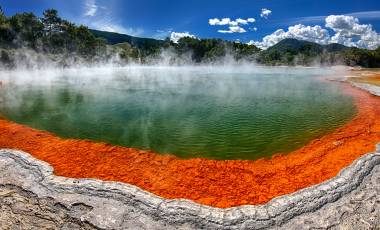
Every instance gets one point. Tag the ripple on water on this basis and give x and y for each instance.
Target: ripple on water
(186, 113)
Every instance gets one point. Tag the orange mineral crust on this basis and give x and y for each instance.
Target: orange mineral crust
(211, 182)
(373, 79)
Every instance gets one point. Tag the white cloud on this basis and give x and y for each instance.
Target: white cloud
(175, 36)
(347, 31)
(90, 8)
(341, 22)
(230, 22)
(233, 29)
(213, 21)
(301, 32)
(242, 21)
(225, 31)
(234, 26)
(265, 13)
(251, 42)
(237, 29)
(251, 20)
(219, 22)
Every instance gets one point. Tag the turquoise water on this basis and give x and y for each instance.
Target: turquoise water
(221, 113)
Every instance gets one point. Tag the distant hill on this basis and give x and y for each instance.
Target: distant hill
(292, 45)
(115, 38)
(286, 52)
(335, 47)
(297, 52)
(63, 42)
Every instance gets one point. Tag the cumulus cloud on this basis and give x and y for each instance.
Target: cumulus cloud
(347, 31)
(230, 22)
(341, 22)
(301, 32)
(234, 26)
(265, 13)
(90, 8)
(219, 22)
(175, 36)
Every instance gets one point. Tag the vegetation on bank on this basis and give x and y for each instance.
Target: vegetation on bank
(295, 52)
(58, 40)
(49, 36)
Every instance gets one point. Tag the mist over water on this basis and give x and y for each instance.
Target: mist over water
(236, 112)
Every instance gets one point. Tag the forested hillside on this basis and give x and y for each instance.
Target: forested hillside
(295, 52)
(60, 41)
(50, 35)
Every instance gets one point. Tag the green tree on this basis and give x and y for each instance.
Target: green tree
(51, 21)
(28, 28)
(3, 18)
(88, 45)
(6, 33)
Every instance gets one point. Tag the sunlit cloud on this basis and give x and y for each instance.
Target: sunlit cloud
(230, 22)
(233, 29)
(347, 31)
(175, 36)
(309, 33)
(234, 26)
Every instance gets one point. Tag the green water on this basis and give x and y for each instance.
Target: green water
(190, 112)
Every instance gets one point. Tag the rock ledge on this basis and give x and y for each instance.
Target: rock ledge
(372, 89)
(31, 196)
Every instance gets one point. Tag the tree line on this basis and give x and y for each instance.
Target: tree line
(50, 35)
(296, 52)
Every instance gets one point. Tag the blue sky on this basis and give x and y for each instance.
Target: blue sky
(159, 18)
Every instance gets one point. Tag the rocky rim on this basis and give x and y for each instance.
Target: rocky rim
(32, 196)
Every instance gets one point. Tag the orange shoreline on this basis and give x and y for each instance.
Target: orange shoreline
(219, 183)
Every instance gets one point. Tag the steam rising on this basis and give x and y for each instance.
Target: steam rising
(237, 111)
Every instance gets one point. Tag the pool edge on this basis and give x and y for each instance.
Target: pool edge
(22, 172)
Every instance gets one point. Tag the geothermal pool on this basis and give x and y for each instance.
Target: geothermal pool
(218, 113)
